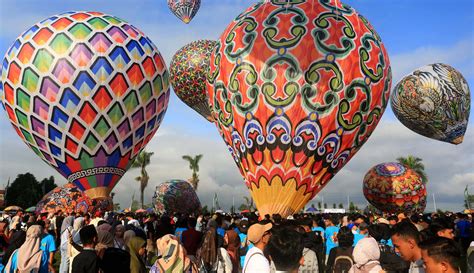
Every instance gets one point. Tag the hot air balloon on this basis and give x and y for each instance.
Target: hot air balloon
(185, 10)
(296, 88)
(68, 198)
(394, 188)
(433, 101)
(176, 196)
(188, 70)
(86, 92)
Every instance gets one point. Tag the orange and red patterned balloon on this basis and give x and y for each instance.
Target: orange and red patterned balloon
(394, 188)
(296, 88)
(68, 198)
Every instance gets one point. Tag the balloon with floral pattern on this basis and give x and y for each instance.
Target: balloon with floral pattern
(176, 196)
(394, 188)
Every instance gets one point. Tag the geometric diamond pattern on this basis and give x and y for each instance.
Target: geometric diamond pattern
(85, 90)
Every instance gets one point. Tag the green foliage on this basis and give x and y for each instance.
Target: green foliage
(142, 161)
(205, 210)
(319, 205)
(416, 164)
(325, 205)
(26, 191)
(352, 207)
(341, 206)
(194, 166)
(333, 205)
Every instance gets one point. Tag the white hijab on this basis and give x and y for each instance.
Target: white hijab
(366, 257)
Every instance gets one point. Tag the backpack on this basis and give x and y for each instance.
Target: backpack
(342, 264)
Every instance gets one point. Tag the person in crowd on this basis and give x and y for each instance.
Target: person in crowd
(463, 231)
(232, 245)
(164, 227)
(87, 260)
(405, 238)
(330, 233)
(29, 257)
(440, 254)
(15, 241)
(340, 257)
(48, 244)
(244, 243)
(361, 232)
(173, 256)
(366, 256)
(442, 227)
(181, 226)
(285, 249)
(119, 241)
(211, 256)
(255, 261)
(111, 259)
(127, 236)
(66, 229)
(191, 238)
(392, 220)
(136, 248)
(389, 260)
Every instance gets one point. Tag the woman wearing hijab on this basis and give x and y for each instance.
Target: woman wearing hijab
(129, 234)
(29, 257)
(66, 229)
(232, 243)
(112, 259)
(119, 241)
(173, 257)
(136, 246)
(75, 238)
(366, 257)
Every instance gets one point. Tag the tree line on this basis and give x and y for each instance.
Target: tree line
(26, 191)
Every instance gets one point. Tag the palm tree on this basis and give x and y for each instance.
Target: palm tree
(141, 161)
(194, 166)
(416, 164)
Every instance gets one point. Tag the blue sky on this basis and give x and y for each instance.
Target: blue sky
(415, 32)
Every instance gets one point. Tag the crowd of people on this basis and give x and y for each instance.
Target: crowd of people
(233, 243)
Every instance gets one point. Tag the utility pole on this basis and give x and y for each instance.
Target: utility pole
(434, 203)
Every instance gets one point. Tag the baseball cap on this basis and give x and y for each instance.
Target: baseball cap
(243, 226)
(256, 232)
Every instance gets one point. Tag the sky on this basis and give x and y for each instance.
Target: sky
(414, 32)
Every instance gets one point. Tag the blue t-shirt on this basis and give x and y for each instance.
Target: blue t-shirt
(48, 245)
(464, 228)
(318, 229)
(221, 231)
(43, 265)
(357, 238)
(179, 233)
(330, 233)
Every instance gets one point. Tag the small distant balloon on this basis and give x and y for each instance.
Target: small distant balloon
(176, 196)
(184, 9)
(188, 70)
(433, 101)
(393, 188)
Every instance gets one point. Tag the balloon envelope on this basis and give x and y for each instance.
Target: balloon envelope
(68, 198)
(185, 10)
(433, 101)
(188, 70)
(394, 188)
(296, 90)
(176, 196)
(86, 92)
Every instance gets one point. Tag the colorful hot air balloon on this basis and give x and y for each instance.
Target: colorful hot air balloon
(188, 70)
(394, 188)
(433, 101)
(296, 88)
(86, 92)
(185, 10)
(176, 196)
(68, 198)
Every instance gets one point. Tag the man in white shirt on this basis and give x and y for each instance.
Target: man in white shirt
(255, 261)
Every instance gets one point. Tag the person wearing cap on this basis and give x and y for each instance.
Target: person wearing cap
(255, 261)
(244, 243)
(361, 233)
